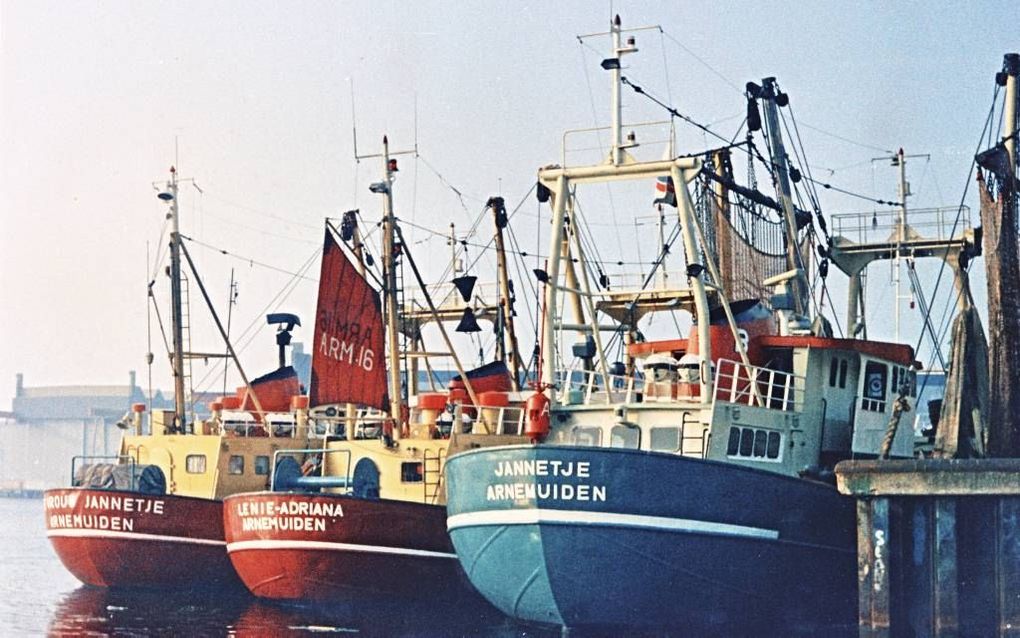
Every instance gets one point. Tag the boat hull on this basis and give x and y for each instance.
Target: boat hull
(332, 548)
(112, 538)
(621, 538)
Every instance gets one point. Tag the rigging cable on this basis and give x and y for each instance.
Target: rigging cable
(672, 111)
(250, 261)
(960, 207)
(598, 138)
(279, 298)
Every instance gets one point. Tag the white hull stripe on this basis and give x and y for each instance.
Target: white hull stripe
(130, 536)
(607, 519)
(239, 546)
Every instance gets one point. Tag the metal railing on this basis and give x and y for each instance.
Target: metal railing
(445, 294)
(879, 225)
(585, 387)
(310, 482)
(506, 420)
(758, 387)
(734, 383)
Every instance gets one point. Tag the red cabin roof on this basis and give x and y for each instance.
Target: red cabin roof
(895, 352)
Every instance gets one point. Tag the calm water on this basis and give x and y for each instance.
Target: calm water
(38, 597)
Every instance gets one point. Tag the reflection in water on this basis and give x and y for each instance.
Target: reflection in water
(90, 610)
(95, 611)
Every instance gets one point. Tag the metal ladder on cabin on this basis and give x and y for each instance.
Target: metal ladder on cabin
(432, 474)
(186, 344)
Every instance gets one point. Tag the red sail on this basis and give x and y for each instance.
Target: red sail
(349, 364)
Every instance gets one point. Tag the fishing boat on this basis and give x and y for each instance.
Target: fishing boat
(366, 515)
(690, 485)
(153, 515)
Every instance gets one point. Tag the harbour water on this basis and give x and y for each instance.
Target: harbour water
(38, 598)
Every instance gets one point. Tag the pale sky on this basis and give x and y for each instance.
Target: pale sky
(257, 98)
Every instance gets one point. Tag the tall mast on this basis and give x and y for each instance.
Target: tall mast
(1011, 67)
(617, 106)
(350, 409)
(901, 233)
(798, 284)
(506, 307)
(176, 305)
(389, 265)
(613, 65)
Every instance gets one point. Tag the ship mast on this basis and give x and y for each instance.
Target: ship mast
(613, 65)
(506, 298)
(798, 283)
(390, 271)
(350, 409)
(177, 317)
(559, 180)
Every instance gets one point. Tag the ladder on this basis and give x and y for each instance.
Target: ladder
(186, 344)
(432, 471)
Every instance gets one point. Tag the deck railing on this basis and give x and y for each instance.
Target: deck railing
(877, 226)
(734, 382)
(583, 386)
(500, 419)
(748, 385)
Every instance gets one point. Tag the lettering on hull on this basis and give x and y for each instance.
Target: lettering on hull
(287, 516)
(84, 510)
(553, 491)
(540, 489)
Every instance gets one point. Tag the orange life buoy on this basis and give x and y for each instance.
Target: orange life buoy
(536, 426)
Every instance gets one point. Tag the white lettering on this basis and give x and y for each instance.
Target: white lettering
(545, 491)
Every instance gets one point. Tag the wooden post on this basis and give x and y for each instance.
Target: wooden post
(1002, 263)
(945, 603)
(873, 567)
(1007, 565)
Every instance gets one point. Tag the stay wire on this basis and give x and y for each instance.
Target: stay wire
(249, 260)
(672, 111)
(598, 137)
(963, 199)
(281, 296)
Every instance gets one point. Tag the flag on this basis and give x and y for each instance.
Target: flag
(665, 193)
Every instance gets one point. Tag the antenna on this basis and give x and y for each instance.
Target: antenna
(354, 123)
(899, 160)
(617, 153)
(354, 131)
(231, 302)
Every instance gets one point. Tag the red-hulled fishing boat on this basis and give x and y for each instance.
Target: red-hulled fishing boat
(153, 515)
(366, 513)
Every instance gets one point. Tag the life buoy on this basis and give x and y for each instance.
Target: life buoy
(536, 425)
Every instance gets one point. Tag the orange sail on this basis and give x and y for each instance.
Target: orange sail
(348, 365)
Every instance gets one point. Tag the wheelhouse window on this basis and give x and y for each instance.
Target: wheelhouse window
(875, 386)
(411, 472)
(195, 464)
(664, 439)
(236, 464)
(754, 443)
(837, 372)
(625, 436)
(901, 377)
(262, 465)
(587, 436)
